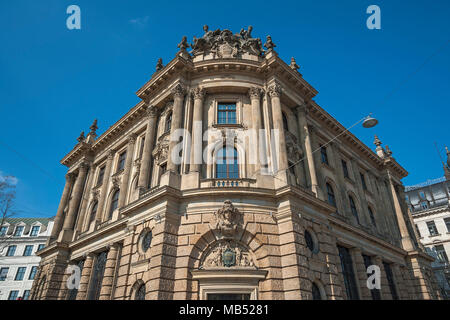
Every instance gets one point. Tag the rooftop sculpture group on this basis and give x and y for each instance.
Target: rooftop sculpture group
(242, 42)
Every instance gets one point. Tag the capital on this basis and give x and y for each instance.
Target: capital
(178, 91)
(132, 137)
(152, 111)
(111, 154)
(302, 109)
(275, 90)
(84, 165)
(198, 93)
(255, 93)
(69, 177)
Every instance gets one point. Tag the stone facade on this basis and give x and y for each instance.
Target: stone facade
(143, 225)
(429, 205)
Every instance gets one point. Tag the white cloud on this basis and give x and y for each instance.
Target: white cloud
(10, 179)
(140, 22)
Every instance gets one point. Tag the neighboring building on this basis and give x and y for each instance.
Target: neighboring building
(305, 225)
(20, 239)
(429, 204)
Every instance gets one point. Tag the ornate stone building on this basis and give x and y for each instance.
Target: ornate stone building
(146, 215)
(429, 204)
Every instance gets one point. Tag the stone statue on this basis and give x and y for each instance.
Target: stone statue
(269, 45)
(81, 138)
(223, 43)
(159, 64)
(183, 45)
(294, 65)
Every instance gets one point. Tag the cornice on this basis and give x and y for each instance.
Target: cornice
(337, 128)
(365, 235)
(137, 112)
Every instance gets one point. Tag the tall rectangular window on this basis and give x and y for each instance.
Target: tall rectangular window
(26, 295)
(34, 231)
(432, 228)
(4, 273)
(101, 175)
(226, 113)
(3, 231)
(11, 251)
(324, 155)
(441, 254)
(374, 292)
(348, 273)
(390, 279)
(28, 250)
(18, 231)
(345, 169)
(41, 246)
(363, 181)
(33, 272)
(20, 273)
(418, 231)
(142, 147)
(13, 295)
(122, 159)
(447, 223)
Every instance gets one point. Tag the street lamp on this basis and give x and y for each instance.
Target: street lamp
(370, 122)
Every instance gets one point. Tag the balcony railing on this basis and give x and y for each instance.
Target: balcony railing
(227, 183)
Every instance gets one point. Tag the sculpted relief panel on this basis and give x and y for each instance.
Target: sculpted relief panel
(227, 254)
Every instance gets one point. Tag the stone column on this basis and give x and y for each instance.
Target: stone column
(196, 155)
(85, 199)
(59, 219)
(104, 188)
(85, 277)
(255, 98)
(385, 292)
(306, 137)
(178, 97)
(275, 95)
(126, 172)
(150, 135)
(406, 240)
(361, 274)
(108, 276)
(69, 221)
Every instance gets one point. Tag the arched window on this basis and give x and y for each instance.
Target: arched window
(316, 292)
(331, 196)
(93, 212)
(114, 203)
(227, 164)
(168, 122)
(140, 293)
(372, 217)
(353, 208)
(285, 122)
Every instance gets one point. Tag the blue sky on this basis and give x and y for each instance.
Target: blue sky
(55, 81)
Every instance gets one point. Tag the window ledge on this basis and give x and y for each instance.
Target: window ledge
(228, 125)
(434, 235)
